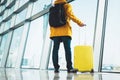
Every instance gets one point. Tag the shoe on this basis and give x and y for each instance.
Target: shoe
(72, 71)
(56, 71)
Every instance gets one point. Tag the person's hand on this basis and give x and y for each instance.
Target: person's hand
(82, 25)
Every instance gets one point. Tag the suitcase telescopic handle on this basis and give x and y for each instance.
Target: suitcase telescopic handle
(83, 30)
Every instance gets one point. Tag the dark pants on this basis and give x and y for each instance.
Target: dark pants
(67, 42)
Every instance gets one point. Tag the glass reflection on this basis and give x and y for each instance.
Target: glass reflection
(84, 77)
(27, 75)
(13, 74)
(31, 74)
(3, 74)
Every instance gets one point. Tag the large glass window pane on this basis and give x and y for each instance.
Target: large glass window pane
(7, 25)
(81, 35)
(8, 2)
(13, 20)
(2, 27)
(39, 5)
(10, 11)
(0, 40)
(2, 1)
(4, 48)
(111, 51)
(14, 48)
(22, 2)
(17, 3)
(29, 11)
(34, 45)
(87, 14)
(47, 44)
(1, 18)
(2, 7)
(21, 16)
(5, 14)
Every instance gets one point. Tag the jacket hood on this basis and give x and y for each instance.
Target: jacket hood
(60, 1)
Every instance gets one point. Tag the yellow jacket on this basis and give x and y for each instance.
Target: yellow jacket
(65, 30)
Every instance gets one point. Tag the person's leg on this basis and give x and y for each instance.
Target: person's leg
(67, 45)
(56, 44)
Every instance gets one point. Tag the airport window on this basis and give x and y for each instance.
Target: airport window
(3, 7)
(0, 9)
(14, 47)
(11, 10)
(111, 53)
(21, 16)
(2, 1)
(2, 27)
(4, 48)
(17, 2)
(22, 2)
(5, 14)
(0, 40)
(29, 11)
(40, 5)
(8, 2)
(13, 20)
(33, 50)
(1, 18)
(7, 25)
(32, 41)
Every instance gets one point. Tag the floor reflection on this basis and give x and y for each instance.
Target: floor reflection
(30, 74)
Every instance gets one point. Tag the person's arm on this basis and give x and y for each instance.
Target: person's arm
(71, 15)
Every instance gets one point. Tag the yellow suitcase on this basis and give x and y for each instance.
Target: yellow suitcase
(83, 58)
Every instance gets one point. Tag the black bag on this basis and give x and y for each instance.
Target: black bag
(57, 15)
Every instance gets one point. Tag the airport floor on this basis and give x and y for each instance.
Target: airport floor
(32, 74)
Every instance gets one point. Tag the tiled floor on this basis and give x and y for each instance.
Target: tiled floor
(30, 74)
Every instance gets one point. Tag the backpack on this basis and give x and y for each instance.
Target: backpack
(57, 15)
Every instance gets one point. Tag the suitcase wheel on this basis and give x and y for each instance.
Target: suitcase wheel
(92, 71)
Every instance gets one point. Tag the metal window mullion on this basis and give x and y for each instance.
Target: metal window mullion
(98, 34)
(103, 36)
